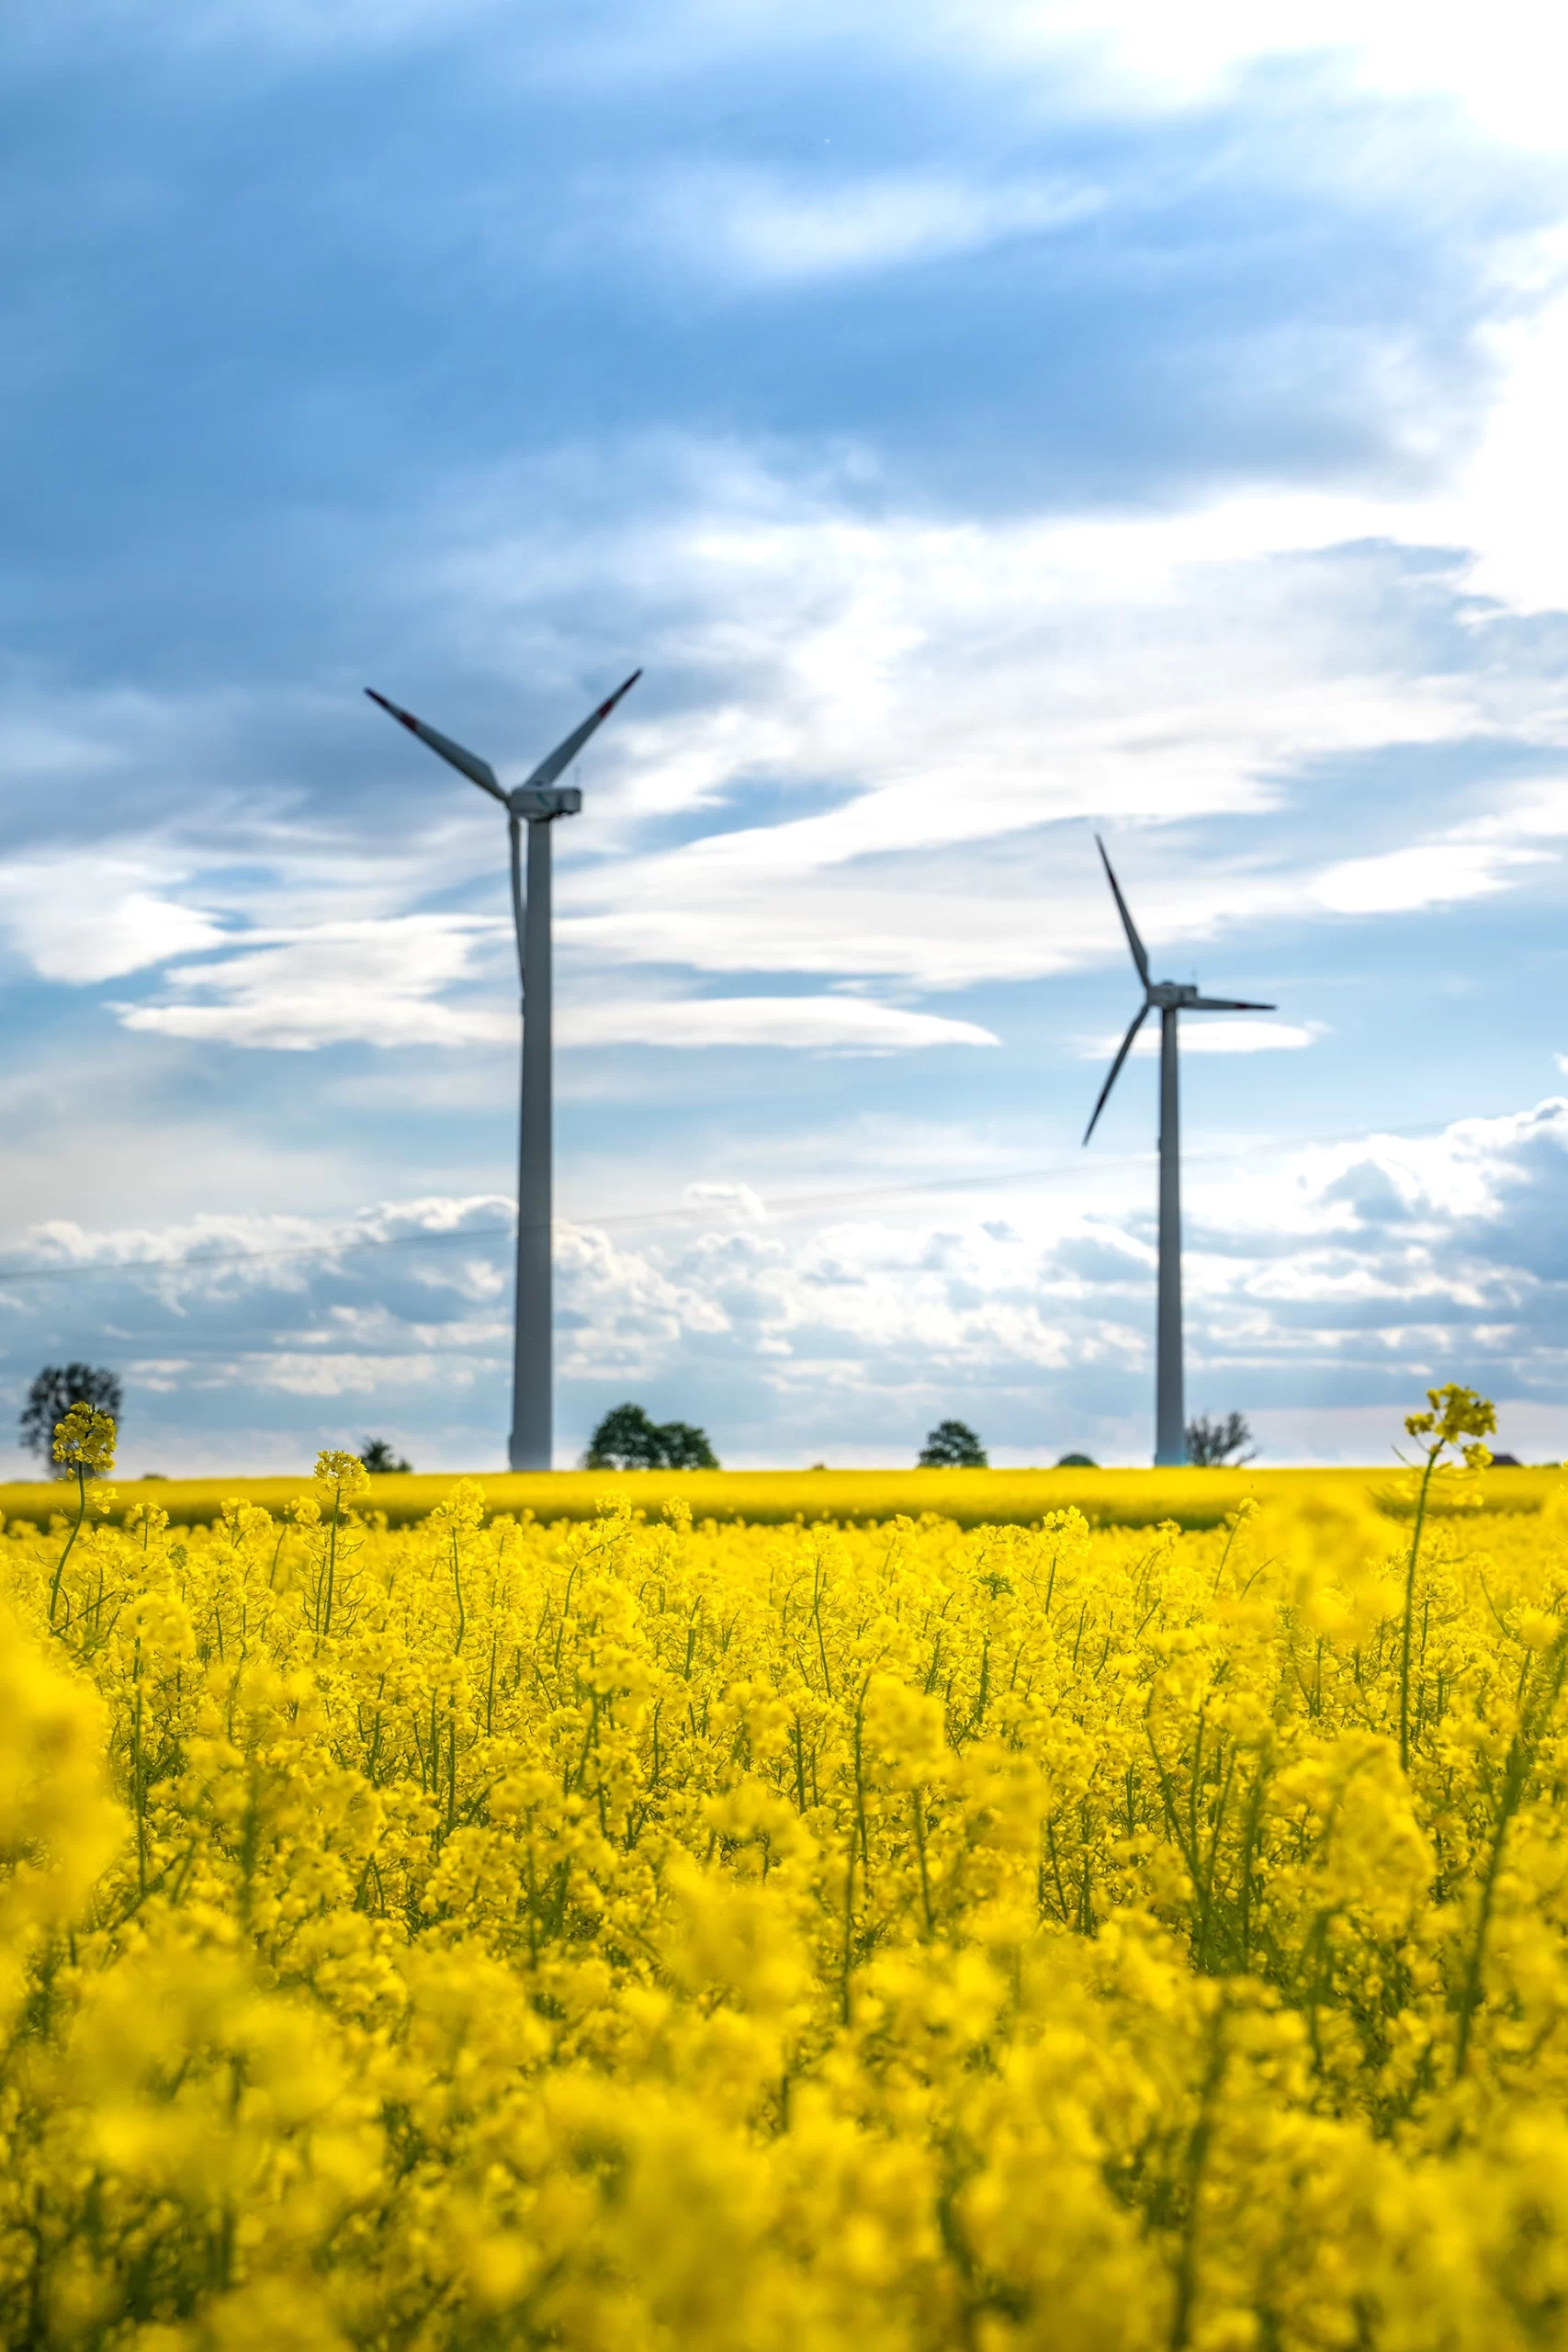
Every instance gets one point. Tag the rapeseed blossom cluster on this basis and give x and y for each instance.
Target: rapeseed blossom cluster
(654, 1938)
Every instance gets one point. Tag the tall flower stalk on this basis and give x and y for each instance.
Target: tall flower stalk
(84, 1444)
(1453, 1415)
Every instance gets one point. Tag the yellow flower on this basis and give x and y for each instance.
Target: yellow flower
(873, 1937)
(345, 1473)
(85, 1441)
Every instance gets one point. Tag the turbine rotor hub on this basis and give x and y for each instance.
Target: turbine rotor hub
(1169, 994)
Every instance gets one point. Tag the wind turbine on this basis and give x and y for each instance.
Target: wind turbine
(537, 803)
(1173, 998)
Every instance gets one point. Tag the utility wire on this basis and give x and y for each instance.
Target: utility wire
(776, 1210)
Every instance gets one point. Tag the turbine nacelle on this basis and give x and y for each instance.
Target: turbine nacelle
(537, 807)
(1185, 996)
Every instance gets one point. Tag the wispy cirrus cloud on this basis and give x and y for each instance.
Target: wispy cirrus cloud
(851, 1024)
(382, 983)
(945, 689)
(90, 917)
(773, 231)
(1215, 1034)
(389, 983)
(1426, 873)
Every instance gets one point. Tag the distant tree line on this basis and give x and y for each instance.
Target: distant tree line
(1211, 1444)
(627, 1438)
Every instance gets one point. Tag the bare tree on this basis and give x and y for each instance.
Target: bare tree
(1220, 1446)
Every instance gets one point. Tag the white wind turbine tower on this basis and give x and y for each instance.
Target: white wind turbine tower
(1173, 998)
(537, 803)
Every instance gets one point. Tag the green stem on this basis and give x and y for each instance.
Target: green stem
(139, 1783)
(1410, 1612)
(331, 1563)
(1197, 2163)
(1515, 1772)
(458, 1586)
(845, 2006)
(80, 1515)
(921, 1850)
(1508, 1806)
(860, 1782)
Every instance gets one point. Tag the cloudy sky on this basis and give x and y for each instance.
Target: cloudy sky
(987, 425)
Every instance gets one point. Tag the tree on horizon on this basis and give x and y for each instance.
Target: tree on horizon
(627, 1438)
(56, 1390)
(953, 1445)
(379, 1459)
(1220, 1446)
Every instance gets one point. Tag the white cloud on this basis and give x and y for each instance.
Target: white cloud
(328, 1377)
(1428, 874)
(1535, 811)
(774, 229)
(952, 685)
(740, 1200)
(842, 1024)
(1511, 502)
(943, 683)
(377, 981)
(946, 687)
(1354, 1274)
(385, 984)
(93, 917)
(1503, 66)
(1214, 1033)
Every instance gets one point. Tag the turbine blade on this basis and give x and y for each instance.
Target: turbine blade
(1116, 1065)
(564, 753)
(468, 763)
(1225, 1004)
(1128, 925)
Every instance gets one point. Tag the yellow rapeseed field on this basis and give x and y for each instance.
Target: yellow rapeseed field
(639, 1935)
(972, 1497)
